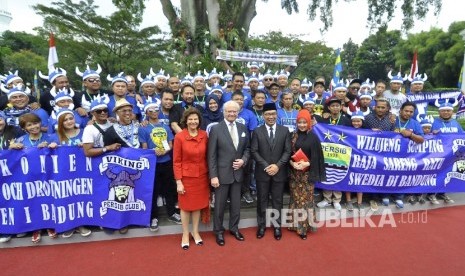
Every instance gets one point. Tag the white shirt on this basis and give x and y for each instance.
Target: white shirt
(268, 129)
(92, 135)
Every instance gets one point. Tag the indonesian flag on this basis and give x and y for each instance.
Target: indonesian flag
(414, 67)
(52, 54)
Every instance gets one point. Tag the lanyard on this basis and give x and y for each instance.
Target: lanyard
(403, 127)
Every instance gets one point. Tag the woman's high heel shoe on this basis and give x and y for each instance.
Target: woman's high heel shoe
(197, 242)
(185, 246)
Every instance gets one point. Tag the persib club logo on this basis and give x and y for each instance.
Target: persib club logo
(337, 158)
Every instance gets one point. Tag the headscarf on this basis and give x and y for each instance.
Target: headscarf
(212, 116)
(304, 114)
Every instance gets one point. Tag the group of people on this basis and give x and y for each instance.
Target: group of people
(219, 138)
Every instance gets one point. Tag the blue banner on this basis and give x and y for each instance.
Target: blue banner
(62, 189)
(362, 160)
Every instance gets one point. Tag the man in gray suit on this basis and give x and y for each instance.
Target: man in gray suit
(228, 153)
(271, 149)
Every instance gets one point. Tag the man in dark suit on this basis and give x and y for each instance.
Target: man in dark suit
(271, 149)
(228, 153)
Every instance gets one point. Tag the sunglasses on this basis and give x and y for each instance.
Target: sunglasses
(100, 111)
(268, 79)
(93, 80)
(152, 110)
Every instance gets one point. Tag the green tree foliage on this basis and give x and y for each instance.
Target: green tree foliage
(440, 54)
(379, 12)
(26, 62)
(115, 42)
(314, 57)
(375, 56)
(348, 54)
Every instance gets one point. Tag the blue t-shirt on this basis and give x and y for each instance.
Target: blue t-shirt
(247, 118)
(154, 135)
(74, 141)
(81, 122)
(28, 143)
(411, 124)
(450, 126)
(164, 118)
(247, 98)
(287, 118)
(259, 116)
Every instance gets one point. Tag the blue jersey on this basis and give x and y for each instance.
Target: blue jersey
(411, 124)
(164, 118)
(259, 116)
(287, 118)
(74, 141)
(29, 143)
(81, 121)
(247, 118)
(155, 136)
(247, 98)
(450, 126)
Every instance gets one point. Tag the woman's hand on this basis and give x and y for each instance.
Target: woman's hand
(53, 145)
(180, 187)
(16, 146)
(42, 145)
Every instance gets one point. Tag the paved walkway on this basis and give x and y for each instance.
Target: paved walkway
(248, 219)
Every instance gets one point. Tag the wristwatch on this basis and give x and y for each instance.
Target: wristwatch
(104, 149)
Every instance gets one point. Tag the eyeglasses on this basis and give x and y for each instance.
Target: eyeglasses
(268, 79)
(100, 111)
(93, 80)
(152, 110)
(354, 87)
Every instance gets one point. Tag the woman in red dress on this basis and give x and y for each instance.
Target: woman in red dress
(191, 174)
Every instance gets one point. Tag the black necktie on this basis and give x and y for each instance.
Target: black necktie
(271, 135)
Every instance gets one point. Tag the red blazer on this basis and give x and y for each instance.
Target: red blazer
(190, 154)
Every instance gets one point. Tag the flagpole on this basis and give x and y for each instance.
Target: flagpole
(414, 68)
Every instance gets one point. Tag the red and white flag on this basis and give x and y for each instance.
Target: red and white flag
(414, 67)
(52, 54)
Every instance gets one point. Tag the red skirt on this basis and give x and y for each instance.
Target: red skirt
(197, 193)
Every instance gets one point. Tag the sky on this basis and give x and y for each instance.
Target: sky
(349, 19)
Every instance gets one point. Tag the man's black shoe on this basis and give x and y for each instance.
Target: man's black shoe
(220, 239)
(277, 234)
(237, 235)
(260, 232)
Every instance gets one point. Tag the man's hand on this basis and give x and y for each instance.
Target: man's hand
(272, 169)
(237, 164)
(215, 182)
(81, 111)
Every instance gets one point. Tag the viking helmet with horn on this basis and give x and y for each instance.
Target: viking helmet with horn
(118, 78)
(89, 73)
(397, 78)
(418, 79)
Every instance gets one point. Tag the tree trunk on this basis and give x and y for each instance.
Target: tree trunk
(213, 11)
(248, 12)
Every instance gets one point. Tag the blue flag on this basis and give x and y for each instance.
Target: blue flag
(337, 67)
